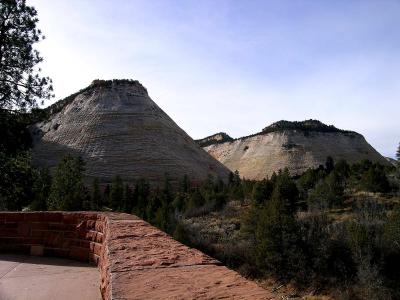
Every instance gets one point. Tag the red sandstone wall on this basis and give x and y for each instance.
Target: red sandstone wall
(136, 260)
(72, 235)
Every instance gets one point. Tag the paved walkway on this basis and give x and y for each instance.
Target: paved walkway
(43, 278)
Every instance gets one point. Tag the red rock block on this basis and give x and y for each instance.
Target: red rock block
(99, 226)
(39, 226)
(8, 232)
(56, 252)
(75, 242)
(38, 233)
(70, 234)
(15, 248)
(59, 226)
(24, 229)
(14, 217)
(78, 253)
(11, 225)
(84, 244)
(90, 224)
(94, 259)
(53, 217)
(96, 248)
(37, 250)
(99, 237)
(90, 235)
(11, 240)
(196, 282)
(53, 239)
(33, 241)
(34, 216)
(69, 218)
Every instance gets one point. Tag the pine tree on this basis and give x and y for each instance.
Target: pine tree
(67, 189)
(141, 197)
(128, 199)
(105, 200)
(185, 184)
(96, 195)
(116, 193)
(329, 164)
(21, 86)
(278, 250)
(41, 190)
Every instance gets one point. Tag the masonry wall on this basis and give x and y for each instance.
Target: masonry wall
(135, 259)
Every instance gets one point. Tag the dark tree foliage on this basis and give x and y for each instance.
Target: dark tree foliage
(375, 180)
(21, 85)
(96, 202)
(278, 248)
(67, 189)
(262, 191)
(16, 181)
(329, 164)
(14, 135)
(285, 190)
(41, 189)
(398, 152)
(116, 193)
(105, 200)
(141, 197)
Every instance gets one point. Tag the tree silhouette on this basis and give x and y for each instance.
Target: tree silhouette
(21, 85)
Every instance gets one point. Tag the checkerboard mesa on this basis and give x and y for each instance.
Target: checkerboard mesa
(119, 130)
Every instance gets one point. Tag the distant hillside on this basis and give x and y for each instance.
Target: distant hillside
(218, 138)
(295, 145)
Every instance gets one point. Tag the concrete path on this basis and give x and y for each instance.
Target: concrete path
(42, 278)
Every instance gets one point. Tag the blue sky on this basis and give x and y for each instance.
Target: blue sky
(237, 66)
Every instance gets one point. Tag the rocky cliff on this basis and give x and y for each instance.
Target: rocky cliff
(295, 145)
(119, 130)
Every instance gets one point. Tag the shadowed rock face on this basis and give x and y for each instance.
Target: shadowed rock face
(119, 130)
(259, 155)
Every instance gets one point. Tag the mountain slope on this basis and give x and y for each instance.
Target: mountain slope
(119, 130)
(295, 145)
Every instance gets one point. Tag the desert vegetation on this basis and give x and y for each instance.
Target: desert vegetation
(334, 229)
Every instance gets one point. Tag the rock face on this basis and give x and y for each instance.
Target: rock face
(295, 145)
(119, 130)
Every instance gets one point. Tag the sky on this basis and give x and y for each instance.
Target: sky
(237, 66)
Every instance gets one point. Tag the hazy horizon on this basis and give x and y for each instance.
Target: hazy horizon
(237, 66)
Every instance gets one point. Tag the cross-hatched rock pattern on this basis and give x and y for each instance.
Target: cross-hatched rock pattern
(118, 130)
(259, 155)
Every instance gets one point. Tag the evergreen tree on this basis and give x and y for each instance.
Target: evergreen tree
(16, 181)
(329, 164)
(398, 153)
(116, 193)
(141, 197)
(196, 199)
(106, 196)
(20, 83)
(278, 250)
(41, 190)
(67, 189)
(185, 184)
(262, 191)
(128, 199)
(375, 179)
(96, 195)
(285, 190)
(87, 201)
